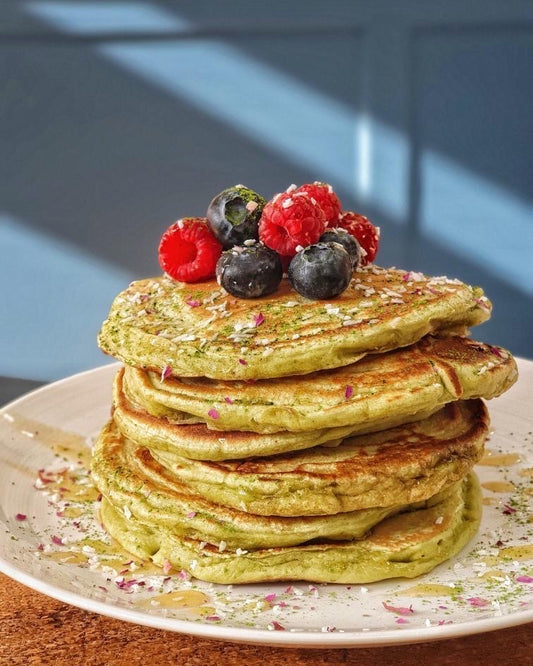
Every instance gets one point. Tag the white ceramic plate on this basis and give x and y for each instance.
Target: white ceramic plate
(461, 598)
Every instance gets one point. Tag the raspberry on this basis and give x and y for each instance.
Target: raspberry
(326, 198)
(364, 231)
(188, 251)
(289, 220)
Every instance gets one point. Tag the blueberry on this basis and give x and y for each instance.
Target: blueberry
(250, 271)
(321, 271)
(348, 242)
(233, 215)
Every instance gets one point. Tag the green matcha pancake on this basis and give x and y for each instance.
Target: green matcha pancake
(407, 544)
(138, 486)
(400, 465)
(375, 393)
(199, 330)
(245, 502)
(182, 435)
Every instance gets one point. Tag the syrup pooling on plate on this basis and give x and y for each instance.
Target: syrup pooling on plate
(494, 459)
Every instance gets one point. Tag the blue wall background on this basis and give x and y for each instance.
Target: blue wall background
(119, 117)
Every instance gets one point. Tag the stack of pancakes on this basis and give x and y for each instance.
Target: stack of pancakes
(289, 439)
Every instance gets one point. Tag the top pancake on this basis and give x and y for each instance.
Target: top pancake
(199, 330)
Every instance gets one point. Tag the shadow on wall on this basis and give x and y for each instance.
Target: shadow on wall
(112, 139)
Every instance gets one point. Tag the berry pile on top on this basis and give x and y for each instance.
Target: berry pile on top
(248, 242)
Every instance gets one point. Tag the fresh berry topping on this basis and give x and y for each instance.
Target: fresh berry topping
(348, 242)
(291, 220)
(321, 271)
(233, 215)
(249, 272)
(188, 251)
(326, 198)
(364, 231)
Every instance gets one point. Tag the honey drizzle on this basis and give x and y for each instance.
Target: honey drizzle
(498, 486)
(493, 459)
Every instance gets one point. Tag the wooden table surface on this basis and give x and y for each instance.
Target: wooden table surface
(35, 629)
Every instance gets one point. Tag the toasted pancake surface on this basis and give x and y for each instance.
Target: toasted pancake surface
(364, 395)
(138, 485)
(188, 436)
(199, 330)
(386, 469)
(407, 544)
(405, 464)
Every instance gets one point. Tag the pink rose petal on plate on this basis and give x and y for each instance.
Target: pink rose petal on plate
(401, 620)
(400, 610)
(270, 597)
(524, 579)
(21, 516)
(277, 626)
(477, 602)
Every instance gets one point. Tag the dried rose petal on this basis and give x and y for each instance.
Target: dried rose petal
(400, 610)
(348, 392)
(21, 516)
(477, 602)
(277, 626)
(213, 413)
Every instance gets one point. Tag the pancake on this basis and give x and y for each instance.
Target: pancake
(135, 483)
(405, 545)
(386, 469)
(185, 435)
(365, 395)
(401, 465)
(199, 330)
